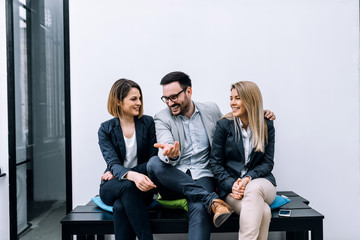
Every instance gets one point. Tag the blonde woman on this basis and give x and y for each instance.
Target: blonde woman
(242, 160)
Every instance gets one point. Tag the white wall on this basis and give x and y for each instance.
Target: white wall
(304, 55)
(4, 157)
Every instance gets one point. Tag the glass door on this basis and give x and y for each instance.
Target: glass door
(39, 124)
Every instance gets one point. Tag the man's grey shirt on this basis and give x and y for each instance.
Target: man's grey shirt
(194, 135)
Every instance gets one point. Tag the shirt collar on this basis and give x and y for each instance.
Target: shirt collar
(248, 130)
(196, 111)
(241, 124)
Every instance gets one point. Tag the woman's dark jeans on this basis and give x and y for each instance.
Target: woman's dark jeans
(130, 209)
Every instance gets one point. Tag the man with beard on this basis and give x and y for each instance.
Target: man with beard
(184, 134)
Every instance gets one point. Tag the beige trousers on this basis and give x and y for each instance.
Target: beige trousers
(254, 210)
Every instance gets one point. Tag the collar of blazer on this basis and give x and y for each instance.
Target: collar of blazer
(239, 144)
(207, 119)
(139, 131)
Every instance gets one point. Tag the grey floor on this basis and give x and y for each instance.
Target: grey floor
(214, 236)
(47, 225)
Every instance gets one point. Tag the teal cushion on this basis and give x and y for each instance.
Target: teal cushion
(279, 201)
(97, 200)
(100, 204)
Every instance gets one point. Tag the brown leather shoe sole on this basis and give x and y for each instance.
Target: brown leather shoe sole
(221, 218)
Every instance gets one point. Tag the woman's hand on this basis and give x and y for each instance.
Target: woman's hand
(141, 181)
(107, 176)
(238, 188)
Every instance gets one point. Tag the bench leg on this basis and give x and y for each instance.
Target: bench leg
(100, 237)
(302, 235)
(317, 232)
(81, 237)
(86, 237)
(65, 235)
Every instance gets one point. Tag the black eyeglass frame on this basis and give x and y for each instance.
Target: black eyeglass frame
(172, 98)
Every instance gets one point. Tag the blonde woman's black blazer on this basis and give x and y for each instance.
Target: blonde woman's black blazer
(112, 144)
(227, 157)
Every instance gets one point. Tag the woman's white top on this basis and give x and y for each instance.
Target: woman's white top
(131, 151)
(248, 145)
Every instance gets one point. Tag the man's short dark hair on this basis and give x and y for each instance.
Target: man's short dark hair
(183, 79)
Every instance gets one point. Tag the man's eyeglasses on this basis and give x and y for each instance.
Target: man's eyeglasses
(173, 98)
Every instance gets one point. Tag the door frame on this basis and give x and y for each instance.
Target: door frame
(11, 118)
(68, 155)
(11, 114)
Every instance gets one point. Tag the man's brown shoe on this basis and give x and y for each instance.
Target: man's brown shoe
(221, 210)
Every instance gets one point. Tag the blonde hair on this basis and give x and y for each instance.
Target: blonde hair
(119, 90)
(251, 98)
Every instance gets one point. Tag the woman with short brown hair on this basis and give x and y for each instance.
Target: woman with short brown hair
(127, 143)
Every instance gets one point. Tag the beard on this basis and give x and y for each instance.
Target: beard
(184, 107)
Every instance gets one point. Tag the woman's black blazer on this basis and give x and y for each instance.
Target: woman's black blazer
(112, 144)
(227, 157)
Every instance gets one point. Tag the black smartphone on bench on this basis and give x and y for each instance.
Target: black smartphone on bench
(284, 213)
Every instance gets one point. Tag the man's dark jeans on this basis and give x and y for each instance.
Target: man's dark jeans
(175, 184)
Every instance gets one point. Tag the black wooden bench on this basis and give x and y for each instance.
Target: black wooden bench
(89, 221)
